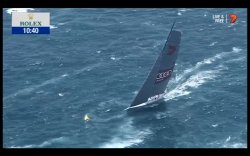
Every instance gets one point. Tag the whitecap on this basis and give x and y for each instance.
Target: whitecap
(201, 63)
(208, 61)
(188, 118)
(54, 140)
(53, 27)
(45, 143)
(213, 43)
(214, 125)
(64, 75)
(236, 49)
(9, 11)
(135, 92)
(40, 91)
(183, 9)
(161, 116)
(107, 110)
(34, 87)
(126, 136)
(36, 63)
(223, 144)
(179, 14)
(60, 94)
(61, 23)
(228, 139)
(25, 146)
(88, 68)
(193, 82)
(235, 145)
(68, 30)
(149, 23)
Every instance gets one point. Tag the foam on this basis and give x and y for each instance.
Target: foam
(193, 82)
(9, 11)
(45, 143)
(61, 23)
(88, 68)
(60, 94)
(214, 125)
(212, 44)
(228, 139)
(236, 49)
(197, 79)
(183, 10)
(52, 141)
(235, 145)
(202, 63)
(114, 58)
(34, 87)
(53, 27)
(227, 144)
(127, 137)
(236, 59)
(64, 75)
(135, 92)
(179, 14)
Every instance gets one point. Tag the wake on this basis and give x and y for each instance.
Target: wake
(200, 77)
(126, 136)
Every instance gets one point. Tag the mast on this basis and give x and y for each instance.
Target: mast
(155, 85)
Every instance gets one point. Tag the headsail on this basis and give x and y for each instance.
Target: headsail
(154, 87)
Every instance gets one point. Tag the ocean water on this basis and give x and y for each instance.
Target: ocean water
(95, 61)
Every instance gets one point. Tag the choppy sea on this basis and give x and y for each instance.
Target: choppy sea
(94, 61)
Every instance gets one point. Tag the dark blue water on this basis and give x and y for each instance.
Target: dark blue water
(95, 60)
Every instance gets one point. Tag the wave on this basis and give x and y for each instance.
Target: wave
(47, 82)
(200, 64)
(236, 49)
(198, 78)
(207, 61)
(184, 10)
(236, 59)
(234, 145)
(9, 11)
(193, 82)
(45, 143)
(34, 87)
(127, 137)
(88, 68)
(212, 44)
(227, 144)
(53, 27)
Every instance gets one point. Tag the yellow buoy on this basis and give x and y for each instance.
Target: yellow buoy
(86, 118)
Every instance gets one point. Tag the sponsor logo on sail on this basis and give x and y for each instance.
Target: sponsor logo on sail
(163, 75)
(171, 49)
